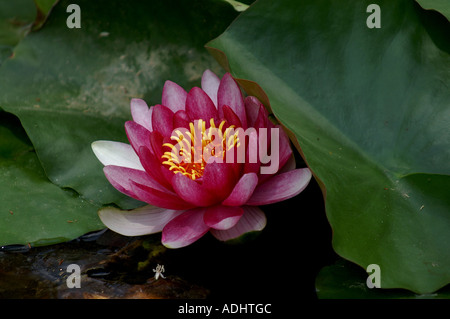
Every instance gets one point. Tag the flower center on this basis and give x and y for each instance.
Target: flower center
(197, 146)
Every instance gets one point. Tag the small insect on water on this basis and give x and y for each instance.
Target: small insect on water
(158, 271)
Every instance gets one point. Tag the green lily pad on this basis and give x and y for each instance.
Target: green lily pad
(35, 211)
(70, 87)
(344, 280)
(370, 111)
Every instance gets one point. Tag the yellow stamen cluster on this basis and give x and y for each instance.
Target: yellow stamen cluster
(194, 147)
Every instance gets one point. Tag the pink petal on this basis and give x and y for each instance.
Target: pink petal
(162, 120)
(192, 192)
(152, 165)
(283, 148)
(285, 152)
(156, 144)
(158, 197)
(141, 113)
(140, 221)
(252, 106)
(173, 96)
(200, 106)
(289, 166)
(141, 186)
(252, 148)
(184, 229)
(210, 84)
(137, 135)
(230, 116)
(123, 177)
(219, 179)
(222, 217)
(180, 120)
(242, 191)
(281, 187)
(262, 120)
(230, 94)
(253, 219)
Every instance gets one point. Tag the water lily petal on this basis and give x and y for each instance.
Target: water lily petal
(140, 221)
(281, 187)
(141, 113)
(230, 94)
(180, 120)
(173, 96)
(253, 219)
(137, 135)
(122, 178)
(262, 120)
(222, 217)
(192, 191)
(242, 191)
(210, 84)
(156, 143)
(285, 150)
(219, 179)
(252, 106)
(252, 148)
(158, 197)
(184, 229)
(116, 153)
(162, 120)
(153, 167)
(200, 106)
(230, 116)
(289, 165)
(284, 154)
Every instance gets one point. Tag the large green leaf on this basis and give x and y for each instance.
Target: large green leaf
(70, 87)
(33, 210)
(370, 109)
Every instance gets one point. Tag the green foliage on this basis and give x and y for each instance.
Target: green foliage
(34, 211)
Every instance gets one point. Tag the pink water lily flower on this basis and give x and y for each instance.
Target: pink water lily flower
(191, 195)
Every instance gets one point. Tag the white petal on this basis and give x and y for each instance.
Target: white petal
(140, 221)
(116, 153)
(253, 219)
